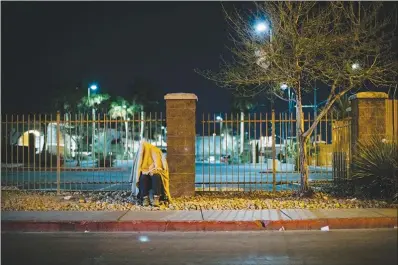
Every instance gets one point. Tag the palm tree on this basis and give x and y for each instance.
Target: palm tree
(122, 109)
(340, 109)
(93, 102)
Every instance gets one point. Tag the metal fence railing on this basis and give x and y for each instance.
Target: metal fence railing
(74, 152)
(233, 151)
(260, 152)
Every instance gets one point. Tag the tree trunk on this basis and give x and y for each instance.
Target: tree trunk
(303, 160)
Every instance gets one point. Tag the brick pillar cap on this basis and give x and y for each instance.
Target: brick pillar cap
(180, 96)
(369, 95)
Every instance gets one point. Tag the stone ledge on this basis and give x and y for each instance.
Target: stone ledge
(368, 95)
(180, 96)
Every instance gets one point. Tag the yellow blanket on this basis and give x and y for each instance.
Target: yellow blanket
(151, 161)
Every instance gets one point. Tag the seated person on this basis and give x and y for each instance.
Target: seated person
(150, 172)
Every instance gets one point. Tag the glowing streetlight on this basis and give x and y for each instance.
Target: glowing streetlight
(284, 87)
(355, 66)
(92, 87)
(261, 27)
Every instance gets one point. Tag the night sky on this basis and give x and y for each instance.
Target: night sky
(50, 48)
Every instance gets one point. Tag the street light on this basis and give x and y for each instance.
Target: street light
(262, 27)
(92, 87)
(355, 66)
(283, 88)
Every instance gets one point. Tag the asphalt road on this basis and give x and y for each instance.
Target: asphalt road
(205, 173)
(365, 247)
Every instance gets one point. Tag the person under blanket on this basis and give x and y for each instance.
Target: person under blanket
(150, 172)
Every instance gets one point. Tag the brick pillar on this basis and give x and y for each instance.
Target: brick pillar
(181, 132)
(368, 116)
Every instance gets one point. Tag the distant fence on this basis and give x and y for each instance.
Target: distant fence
(259, 152)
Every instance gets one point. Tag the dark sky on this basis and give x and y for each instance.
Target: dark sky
(50, 47)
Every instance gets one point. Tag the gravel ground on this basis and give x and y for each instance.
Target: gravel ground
(15, 200)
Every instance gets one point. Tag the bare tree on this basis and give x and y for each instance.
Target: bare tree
(344, 45)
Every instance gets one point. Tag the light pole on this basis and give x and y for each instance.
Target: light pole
(218, 118)
(92, 87)
(289, 94)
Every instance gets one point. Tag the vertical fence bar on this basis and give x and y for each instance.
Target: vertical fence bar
(34, 152)
(285, 139)
(17, 133)
(203, 151)
(29, 145)
(87, 143)
(240, 154)
(65, 123)
(226, 149)
(208, 133)
(7, 144)
(266, 144)
(273, 153)
(309, 153)
(261, 151)
(58, 153)
(41, 149)
(233, 148)
(279, 155)
(214, 150)
(23, 151)
(12, 149)
(51, 154)
(255, 143)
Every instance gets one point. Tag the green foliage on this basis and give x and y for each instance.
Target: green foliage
(94, 100)
(375, 169)
(121, 108)
(243, 104)
(339, 108)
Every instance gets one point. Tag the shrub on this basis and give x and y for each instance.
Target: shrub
(375, 169)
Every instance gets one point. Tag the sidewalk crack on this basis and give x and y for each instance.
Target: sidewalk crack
(201, 213)
(120, 217)
(286, 214)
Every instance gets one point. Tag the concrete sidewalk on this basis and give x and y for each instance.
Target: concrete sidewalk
(206, 220)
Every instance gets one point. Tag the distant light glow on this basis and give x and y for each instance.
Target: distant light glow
(261, 27)
(163, 127)
(218, 118)
(143, 239)
(283, 86)
(93, 87)
(124, 106)
(355, 66)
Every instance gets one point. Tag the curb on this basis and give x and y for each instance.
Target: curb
(185, 226)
